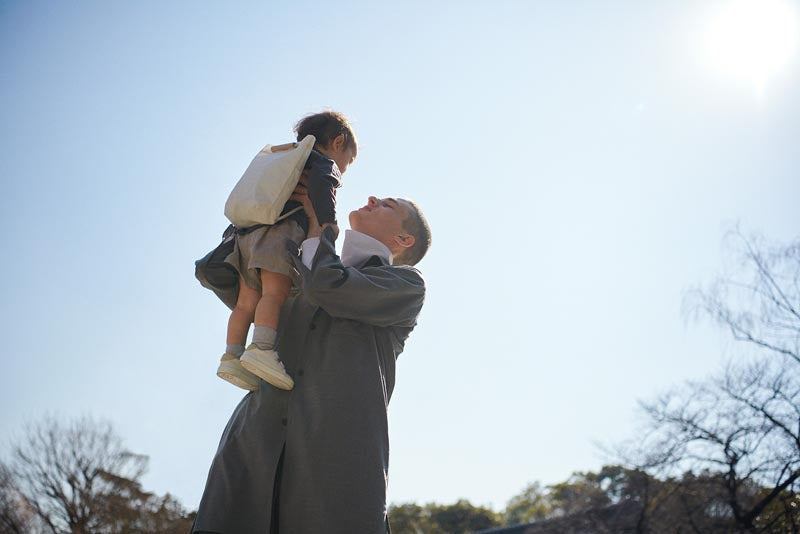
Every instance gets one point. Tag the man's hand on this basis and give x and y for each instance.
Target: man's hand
(301, 195)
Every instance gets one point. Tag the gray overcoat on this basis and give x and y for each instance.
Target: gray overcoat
(339, 339)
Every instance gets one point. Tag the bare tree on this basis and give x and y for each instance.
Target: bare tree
(16, 517)
(742, 427)
(78, 478)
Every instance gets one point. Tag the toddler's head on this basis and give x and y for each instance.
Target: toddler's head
(334, 134)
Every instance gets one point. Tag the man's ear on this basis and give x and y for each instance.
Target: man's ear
(404, 240)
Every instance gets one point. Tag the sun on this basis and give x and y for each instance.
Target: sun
(753, 40)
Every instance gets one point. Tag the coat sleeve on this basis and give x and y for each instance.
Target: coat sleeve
(383, 295)
(323, 179)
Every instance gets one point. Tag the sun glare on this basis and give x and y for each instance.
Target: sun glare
(753, 40)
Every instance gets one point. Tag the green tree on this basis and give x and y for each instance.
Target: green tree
(462, 517)
(409, 518)
(433, 518)
(532, 504)
(581, 492)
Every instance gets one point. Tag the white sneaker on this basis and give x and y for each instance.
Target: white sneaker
(266, 364)
(230, 369)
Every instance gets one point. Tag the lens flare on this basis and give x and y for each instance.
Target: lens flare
(753, 40)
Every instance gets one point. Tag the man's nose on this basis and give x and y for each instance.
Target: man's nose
(372, 201)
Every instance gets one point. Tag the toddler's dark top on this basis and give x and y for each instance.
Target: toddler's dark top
(323, 180)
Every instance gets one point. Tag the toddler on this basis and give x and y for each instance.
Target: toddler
(261, 259)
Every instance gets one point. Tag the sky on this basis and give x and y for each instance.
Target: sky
(580, 164)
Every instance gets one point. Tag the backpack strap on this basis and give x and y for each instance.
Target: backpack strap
(245, 231)
(281, 148)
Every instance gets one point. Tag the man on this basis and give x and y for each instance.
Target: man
(315, 459)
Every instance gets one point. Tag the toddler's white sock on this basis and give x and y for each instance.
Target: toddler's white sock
(236, 350)
(264, 337)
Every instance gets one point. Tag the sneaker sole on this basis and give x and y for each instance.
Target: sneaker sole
(231, 371)
(267, 370)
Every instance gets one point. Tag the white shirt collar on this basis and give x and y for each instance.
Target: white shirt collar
(358, 248)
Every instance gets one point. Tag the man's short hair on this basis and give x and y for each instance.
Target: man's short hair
(415, 224)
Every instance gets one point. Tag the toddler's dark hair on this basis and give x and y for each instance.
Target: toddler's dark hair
(325, 127)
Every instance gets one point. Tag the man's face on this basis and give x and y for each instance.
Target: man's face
(381, 219)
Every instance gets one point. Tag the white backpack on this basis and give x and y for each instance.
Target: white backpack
(266, 185)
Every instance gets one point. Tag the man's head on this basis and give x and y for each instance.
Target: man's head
(397, 223)
(334, 136)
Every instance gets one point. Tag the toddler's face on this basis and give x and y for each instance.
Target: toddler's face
(343, 158)
(341, 154)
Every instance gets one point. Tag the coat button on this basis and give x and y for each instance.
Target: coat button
(313, 326)
(283, 421)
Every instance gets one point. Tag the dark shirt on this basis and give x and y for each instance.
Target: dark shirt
(323, 180)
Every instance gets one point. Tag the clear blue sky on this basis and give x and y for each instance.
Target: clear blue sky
(579, 163)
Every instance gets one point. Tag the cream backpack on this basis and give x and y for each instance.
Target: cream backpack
(266, 185)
